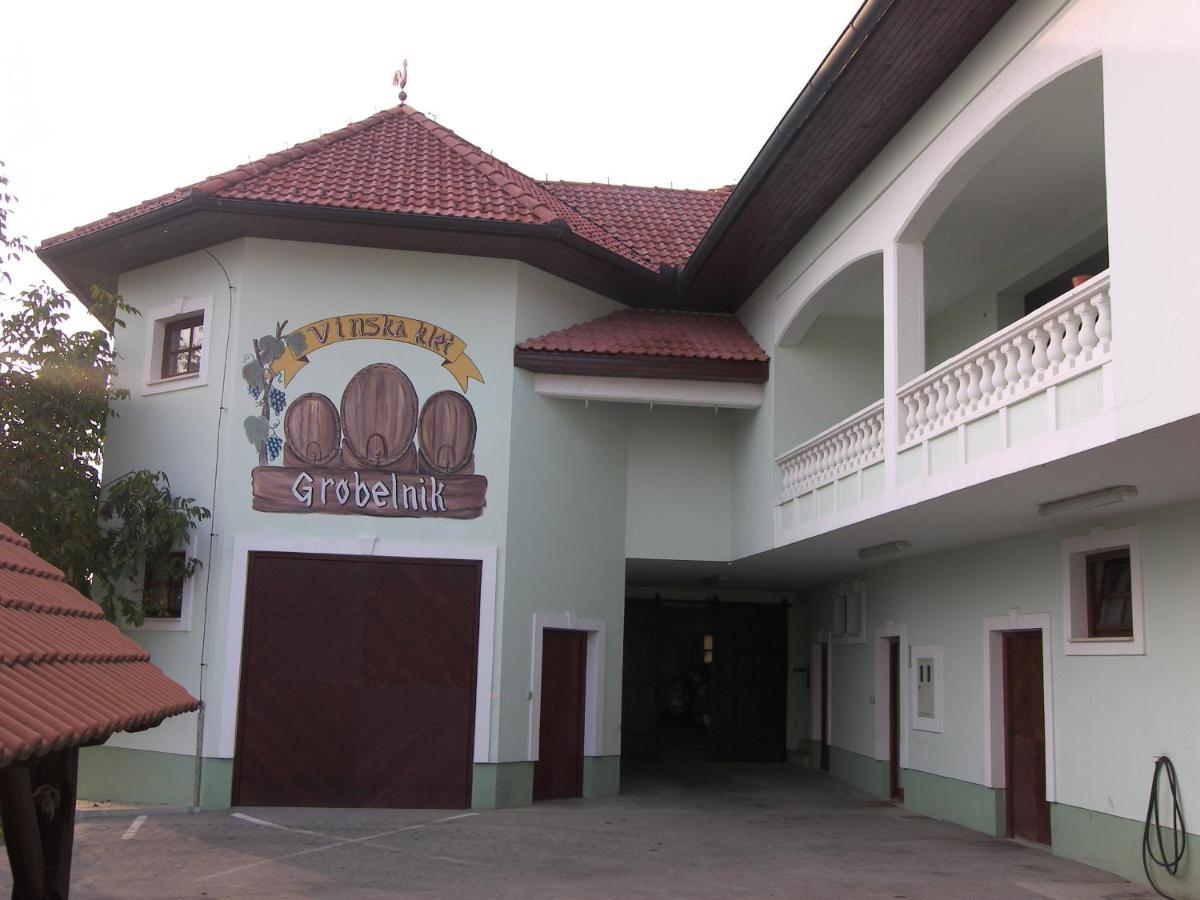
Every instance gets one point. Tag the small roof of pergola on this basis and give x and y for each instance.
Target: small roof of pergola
(68, 677)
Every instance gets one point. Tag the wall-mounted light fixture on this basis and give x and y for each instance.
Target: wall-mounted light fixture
(1092, 499)
(884, 549)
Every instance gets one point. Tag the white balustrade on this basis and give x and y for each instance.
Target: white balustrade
(845, 448)
(1064, 338)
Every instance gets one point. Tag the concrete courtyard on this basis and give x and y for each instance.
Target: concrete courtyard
(702, 831)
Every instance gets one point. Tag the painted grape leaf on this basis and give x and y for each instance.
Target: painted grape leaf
(257, 428)
(270, 348)
(295, 342)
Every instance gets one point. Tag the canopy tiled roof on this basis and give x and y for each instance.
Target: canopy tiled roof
(68, 677)
(648, 332)
(650, 344)
(402, 161)
(665, 224)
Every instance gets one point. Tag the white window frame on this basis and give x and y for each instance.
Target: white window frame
(855, 592)
(157, 320)
(932, 652)
(882, 698)
(1074, 594)
(593, 716)
(184, 622)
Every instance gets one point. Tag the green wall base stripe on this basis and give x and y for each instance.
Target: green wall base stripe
(601, 776)
(961, 802)
(501, 785)
(860, 772)
(145, 776)
(1114, 844)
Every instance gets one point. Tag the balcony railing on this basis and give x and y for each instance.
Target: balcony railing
(852, 444)
(1064, 338)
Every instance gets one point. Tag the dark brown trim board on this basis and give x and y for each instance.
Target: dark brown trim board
(630, 365)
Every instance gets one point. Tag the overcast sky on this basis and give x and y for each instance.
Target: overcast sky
(106, 104)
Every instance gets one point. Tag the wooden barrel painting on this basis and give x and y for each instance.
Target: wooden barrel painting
(379, 417)
(446, 434)
(312, 431)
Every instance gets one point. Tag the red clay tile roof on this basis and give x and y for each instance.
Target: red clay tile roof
(663, 223)
(67, 676)
(647, 332)
(401, 161)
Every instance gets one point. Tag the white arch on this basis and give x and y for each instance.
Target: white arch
(801, 318)
(988, 141)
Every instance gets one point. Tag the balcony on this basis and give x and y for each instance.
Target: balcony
(1001, 404)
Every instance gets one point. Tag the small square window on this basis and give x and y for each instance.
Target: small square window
(183, 339)
(163, 599)
(176, 345)
(850, 614)
(1102, 593)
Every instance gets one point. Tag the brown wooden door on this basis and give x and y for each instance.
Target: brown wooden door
(358, 682)
(558, 772)
(894, 719)
(822, 704)
(1025, 737)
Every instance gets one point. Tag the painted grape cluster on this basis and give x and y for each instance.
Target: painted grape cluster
(263, 384)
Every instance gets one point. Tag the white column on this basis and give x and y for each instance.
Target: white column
(903, 338)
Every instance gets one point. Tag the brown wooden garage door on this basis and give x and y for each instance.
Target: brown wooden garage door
(358, 682)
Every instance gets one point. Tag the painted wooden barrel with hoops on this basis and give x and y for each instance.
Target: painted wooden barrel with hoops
(446, 434)
(379, 419)
(312, 431)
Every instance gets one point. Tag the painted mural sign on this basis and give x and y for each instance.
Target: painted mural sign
(380, 452)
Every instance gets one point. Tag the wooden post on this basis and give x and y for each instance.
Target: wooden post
(22, 839)
(60, 772)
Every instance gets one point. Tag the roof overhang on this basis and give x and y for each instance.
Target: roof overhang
(198, 221)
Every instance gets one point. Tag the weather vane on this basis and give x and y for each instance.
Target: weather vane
(400, 79)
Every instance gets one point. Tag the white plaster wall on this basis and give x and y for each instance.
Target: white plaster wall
(679, 489)
(835, 371)
(275, 280)
(566, 546)
(1112, 714)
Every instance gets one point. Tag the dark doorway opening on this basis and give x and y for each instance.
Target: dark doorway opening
(558, 772)
(1028, 810)
(823, 704)
(704, 680)
(895, 791)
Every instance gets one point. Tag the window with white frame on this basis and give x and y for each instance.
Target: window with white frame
(177, 345)
(1102, 593)
(927, 681)
(850, 613)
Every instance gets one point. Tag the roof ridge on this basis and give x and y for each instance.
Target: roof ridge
(271, 161)
(477, 158)
(636, 187)
(487, 165)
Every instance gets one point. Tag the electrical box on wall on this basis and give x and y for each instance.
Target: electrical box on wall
(927, 690)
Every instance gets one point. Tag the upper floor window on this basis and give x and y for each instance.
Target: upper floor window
(178, 336)
(183, 340)
(1102, 593)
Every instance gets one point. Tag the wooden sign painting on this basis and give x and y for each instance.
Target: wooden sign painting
(380, 452)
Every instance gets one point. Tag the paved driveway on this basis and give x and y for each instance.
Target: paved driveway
(709, 831)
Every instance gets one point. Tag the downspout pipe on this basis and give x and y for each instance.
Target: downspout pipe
(869, 15)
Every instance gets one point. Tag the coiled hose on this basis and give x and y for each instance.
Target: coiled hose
(1154, 849)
